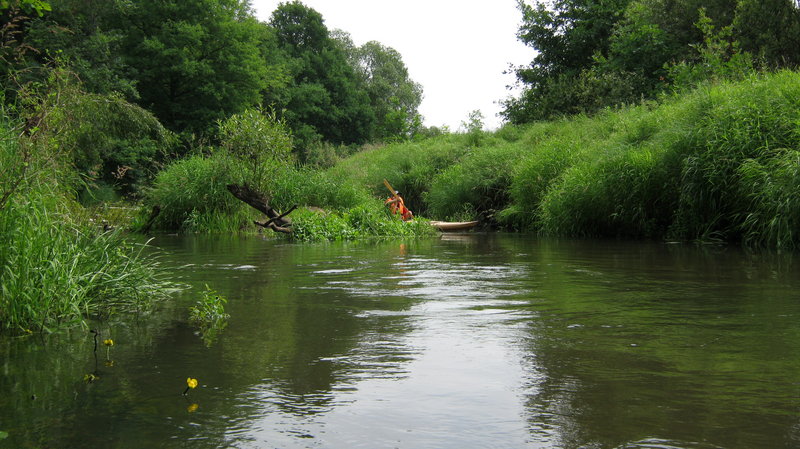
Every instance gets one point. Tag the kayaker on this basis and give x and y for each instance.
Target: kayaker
(398, 206)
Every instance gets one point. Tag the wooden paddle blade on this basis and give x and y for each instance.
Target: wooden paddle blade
(389, 186)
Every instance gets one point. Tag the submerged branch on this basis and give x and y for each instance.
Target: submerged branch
(260, 202)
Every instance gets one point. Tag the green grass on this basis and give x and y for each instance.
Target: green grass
(192, 195)
(718, 163)
(367, 220)
(57, 269)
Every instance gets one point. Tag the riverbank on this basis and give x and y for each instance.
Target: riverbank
(719, 163)
(716, 164)
(58, 267)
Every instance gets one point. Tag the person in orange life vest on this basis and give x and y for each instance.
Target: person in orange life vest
(396, 205)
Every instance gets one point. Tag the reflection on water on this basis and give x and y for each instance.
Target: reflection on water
(463, 341)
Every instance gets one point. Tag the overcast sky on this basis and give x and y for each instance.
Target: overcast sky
(457, 49)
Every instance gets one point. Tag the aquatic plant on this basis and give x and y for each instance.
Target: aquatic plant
(365, 221)
(108, 343)
(191, 384)
(208, 314)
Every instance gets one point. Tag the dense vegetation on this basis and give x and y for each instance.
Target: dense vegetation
(58, 266)
(667, 119)
(596, 54)
(719, 163)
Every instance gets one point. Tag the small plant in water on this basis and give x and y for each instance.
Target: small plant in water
(109, 343)
(191, 384)
(209, 314)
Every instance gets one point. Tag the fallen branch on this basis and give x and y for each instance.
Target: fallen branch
(260, 202)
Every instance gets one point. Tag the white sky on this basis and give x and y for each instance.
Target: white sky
(456, 49)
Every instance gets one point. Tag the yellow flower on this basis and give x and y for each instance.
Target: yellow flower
(108, 342)
(192, 408)
(192, 383)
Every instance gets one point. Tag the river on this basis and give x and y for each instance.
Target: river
(459, 341)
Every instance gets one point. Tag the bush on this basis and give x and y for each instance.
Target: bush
(363, 221)
(56, 269)
(193, 196)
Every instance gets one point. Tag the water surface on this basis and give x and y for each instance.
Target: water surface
(484, 341)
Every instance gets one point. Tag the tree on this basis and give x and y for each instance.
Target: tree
(770, 29)
(325, 99)
(83, 34)
(568, 35)
(394, 97)
(195, 61)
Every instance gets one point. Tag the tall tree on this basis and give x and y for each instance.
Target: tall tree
(770, 29)
(567, 35)
(395, 98)
(325, 99)
(195, 61)
(85, 35)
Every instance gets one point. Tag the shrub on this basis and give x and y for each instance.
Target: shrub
(56, 270)
(193, 196)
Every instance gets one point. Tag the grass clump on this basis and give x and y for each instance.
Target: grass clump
(192, 195)
(208, 314)
(56, 269)
(716, 163)
(363, 221)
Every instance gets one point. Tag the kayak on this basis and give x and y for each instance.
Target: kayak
(445, 226)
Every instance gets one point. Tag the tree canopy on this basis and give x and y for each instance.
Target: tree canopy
(192, 63)
(594, 54)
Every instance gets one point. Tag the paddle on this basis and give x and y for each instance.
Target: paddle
(389, 186)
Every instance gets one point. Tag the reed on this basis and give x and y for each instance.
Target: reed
(476, 187)
(57, 271)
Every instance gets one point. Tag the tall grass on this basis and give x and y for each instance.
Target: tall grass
(367, 220)
(192, 195)
(409, 167)
(746, 124)
(715, 163)
(56, 269)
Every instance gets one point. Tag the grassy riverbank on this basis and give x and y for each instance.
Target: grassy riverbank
(719, 163)
(716, 164)
(57, 267)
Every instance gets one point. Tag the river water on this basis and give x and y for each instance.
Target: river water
(460, 341)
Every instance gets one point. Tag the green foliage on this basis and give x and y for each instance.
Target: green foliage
(476, 187)
(719, 58)
(209, 315)
(325, 99)
(593, 55)
(102, 136)
(769, 29)
(754, 122)
(38, 6)
(201, 65)
(409, 167)
(57, 269)
(716, 163)
(84, 36)
(259, 139)
(193, 197)
(304, 186)
(473, 127)
(363, 221)
(394, 97)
